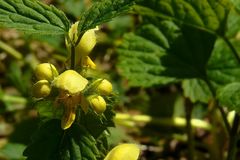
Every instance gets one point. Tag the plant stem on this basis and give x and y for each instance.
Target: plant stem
(223, 114)
(72, 57)
(188, 111)
(234, 51)
(233, 139)
(126, 119)
(13, 99)
(10, 50)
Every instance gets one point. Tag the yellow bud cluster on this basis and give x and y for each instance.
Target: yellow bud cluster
(45, 73)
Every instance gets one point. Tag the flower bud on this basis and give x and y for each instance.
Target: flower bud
(70, 81)
(41, 89)
(105, 87)
(46, 71)
(97, 103)
(87, 42)
(124, 152)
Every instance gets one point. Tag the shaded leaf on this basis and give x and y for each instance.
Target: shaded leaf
(32, 16)
(222, 67)
(101, 12)
(139, 61)
(50, 142)
(175, 40)
(205, 15)
(97, 124)
(12, 151)
(229, 96)
(196, 90)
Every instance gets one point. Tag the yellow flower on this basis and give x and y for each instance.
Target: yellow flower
(88, 63)
(70, 81)
(86, 43)
(97, 103)
(46, 71)
(124, 152)
(105, 87)
(41, 89)
(70, 106)
(70, 84)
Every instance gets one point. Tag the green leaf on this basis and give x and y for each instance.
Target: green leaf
(47, 109)
(236, 4)
(138, 61)
(73, 7)
(33, 17)
(205, 15)
(161, 50)
(12, 151)
(229, 96)
(101, 12)
(196, 90)
(222, 67)
(97, 124)
(175, 40)
(52, 143)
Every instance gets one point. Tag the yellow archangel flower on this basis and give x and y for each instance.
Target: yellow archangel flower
(124, 151)
(70, 84)
(85, 45)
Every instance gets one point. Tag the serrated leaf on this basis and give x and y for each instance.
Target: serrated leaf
(222, 67)
(52, 143)
(95, 123)
(101, 12)
(32, 16)
(196, 90)
(205, 15)
(139, 61)
(12, 151)
(229, 96)
(162, 50)
(184, 31)
(47, 109)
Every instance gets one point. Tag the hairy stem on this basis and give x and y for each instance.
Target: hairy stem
(233, 138)
(223, 114)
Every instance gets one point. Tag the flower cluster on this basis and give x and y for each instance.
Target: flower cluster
(73, 88)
